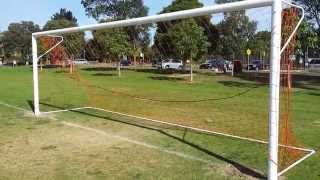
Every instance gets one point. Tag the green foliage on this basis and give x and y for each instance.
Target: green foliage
(188, 39)
(235, 31)
(17, 40)
(164, 45)
(260, 44)
(72, 42)
(64, 14)
(114, 9)
(116, 42)
(307, 38)
(312, 8)
(111, 10)
(179, 5)
(1, 46)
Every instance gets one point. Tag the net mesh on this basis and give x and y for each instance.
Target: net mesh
(125, 70)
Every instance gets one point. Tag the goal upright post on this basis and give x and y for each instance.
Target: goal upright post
(36, 104)
(274, 109)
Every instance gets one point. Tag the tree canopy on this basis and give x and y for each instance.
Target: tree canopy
(312, 8)
(74, 42)
(235, 32)
(114, 41)
(64, 14)
(188, 40)
(17, 40)
(114, 9)
(163, 43)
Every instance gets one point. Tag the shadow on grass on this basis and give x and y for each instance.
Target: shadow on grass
(242, 168)
(166, 78)
(144, 70)
(100, 69)
(299, 80)
(163, 71)
(314, 94)
(239, 84)
(31, 104)
(104, 74)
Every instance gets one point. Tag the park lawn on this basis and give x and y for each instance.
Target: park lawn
(131, 148)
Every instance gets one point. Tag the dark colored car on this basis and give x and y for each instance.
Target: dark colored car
(256, 65)
(125, 63)
(207, 65)
(220, 65)
(210, 64)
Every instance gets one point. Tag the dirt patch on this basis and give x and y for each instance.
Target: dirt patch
(231, 171)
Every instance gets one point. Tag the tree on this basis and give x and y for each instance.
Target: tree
(306, 38)
(111, 10)
(64, 14)
(179, 5)
(235, 30)
(312, 7)
(164, 45)
(17, 40)
(189, 41)
(114, 9)
(73, 43)
(260, 45)
(114, 41)
(1, 47)
(94, 51)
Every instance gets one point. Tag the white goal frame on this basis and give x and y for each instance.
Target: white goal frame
(276, 50)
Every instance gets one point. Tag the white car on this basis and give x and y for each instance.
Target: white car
(80, 61)
(171, 64)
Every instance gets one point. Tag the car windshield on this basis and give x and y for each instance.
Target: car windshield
(315, 62)
(211, 61)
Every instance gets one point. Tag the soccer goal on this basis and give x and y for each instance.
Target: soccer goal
(171, 72)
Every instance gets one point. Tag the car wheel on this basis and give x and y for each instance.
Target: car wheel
(180, 68)
(167, 67)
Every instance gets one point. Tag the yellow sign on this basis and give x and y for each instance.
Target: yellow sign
(249, 52)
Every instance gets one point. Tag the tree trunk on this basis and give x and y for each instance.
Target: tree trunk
(119, 68)
(191, 70)
(134, 55)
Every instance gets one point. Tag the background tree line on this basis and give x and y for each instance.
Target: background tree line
(196, 38)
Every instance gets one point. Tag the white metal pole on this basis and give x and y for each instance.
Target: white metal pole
(35, 76)
(221, 8)
(274, 90)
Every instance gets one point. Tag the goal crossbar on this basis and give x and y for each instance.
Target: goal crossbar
(228, 7)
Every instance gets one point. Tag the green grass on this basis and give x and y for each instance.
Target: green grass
(47, 148)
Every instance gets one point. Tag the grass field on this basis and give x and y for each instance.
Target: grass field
(90, 144)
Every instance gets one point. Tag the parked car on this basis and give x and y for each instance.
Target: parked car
(125, 62)
(216, 65)
(171, 64)
(80, 61)
(314, 65)
(208, 64)
(255, 65)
